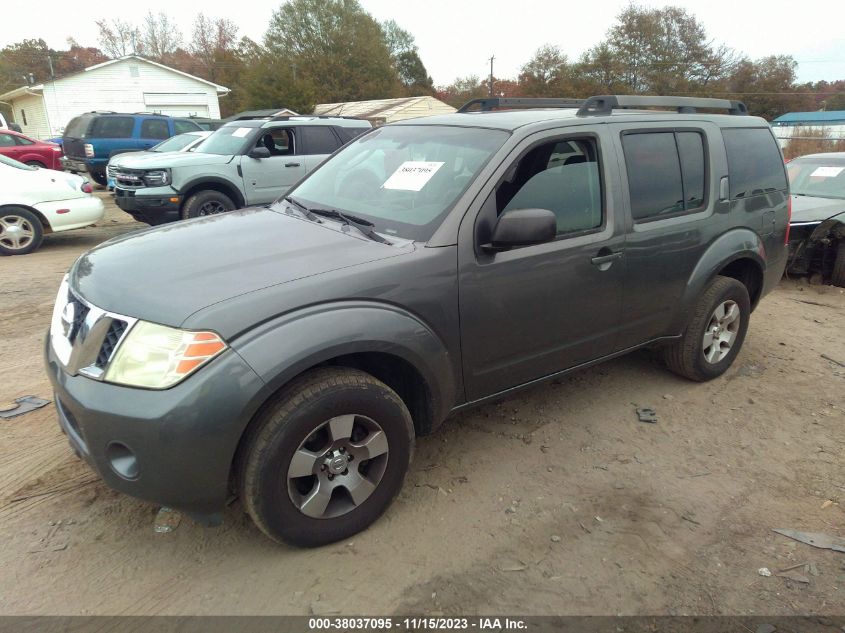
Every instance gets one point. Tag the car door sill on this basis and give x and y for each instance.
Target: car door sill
(557, 374)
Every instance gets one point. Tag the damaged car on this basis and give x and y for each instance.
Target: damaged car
(817, 227)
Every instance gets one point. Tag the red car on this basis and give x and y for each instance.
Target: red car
(27, 150)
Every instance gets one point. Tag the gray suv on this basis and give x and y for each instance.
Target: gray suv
(243, 163)
(429, 266)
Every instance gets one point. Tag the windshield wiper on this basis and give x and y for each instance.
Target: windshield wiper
(305, 210)
(364, 226)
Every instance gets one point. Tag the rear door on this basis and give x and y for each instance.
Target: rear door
(152, 132)
(671, 173)
(318, 142)
(266, 179)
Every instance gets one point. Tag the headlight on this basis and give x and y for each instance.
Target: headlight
(157, 357)
(157, 177)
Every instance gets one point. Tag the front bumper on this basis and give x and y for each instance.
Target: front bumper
(173, 447)
(153, 208)
(75, 213)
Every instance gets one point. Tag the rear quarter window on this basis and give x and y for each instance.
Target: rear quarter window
(112, 127)
(754, 162)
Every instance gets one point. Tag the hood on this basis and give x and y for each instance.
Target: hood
(812, 209)
(160, 160)
(167, 273)
(44, 184)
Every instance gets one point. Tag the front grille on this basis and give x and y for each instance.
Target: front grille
(80, 313)
(128, 179)
(111, 170)
(113, 336)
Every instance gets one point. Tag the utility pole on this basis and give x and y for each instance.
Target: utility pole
(490, 86)
(50, 63)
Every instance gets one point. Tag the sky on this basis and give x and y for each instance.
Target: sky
(456, 38)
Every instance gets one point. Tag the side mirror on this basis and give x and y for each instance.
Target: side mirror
(259, 153)
(522, 227)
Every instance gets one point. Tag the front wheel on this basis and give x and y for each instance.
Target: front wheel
(208, 202)
(99, 177)
(714, 334)
(837, 278)
(20, 231)
(326, 458)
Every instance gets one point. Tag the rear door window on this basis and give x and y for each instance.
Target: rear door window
(319, 139)
(754, 162)
(666, 173)
(7, 140)
(154, 128)
(112, 127)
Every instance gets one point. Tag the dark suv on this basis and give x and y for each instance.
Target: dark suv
(92, 138)
(291, 354)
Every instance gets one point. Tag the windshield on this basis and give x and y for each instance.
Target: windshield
(175, 143)
(404, 178)
(4, 160)
(226, 141)
(817, 177)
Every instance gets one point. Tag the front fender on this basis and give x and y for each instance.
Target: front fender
(834, 225)
(740, 243)
(285, 347)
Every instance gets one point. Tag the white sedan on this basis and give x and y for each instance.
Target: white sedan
(36, 201)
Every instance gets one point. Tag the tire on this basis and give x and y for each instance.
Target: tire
(309, 417)
(837, 278)
(35, 163)
(208, 202)
(20, 231)
(99, 177)
(690, 357)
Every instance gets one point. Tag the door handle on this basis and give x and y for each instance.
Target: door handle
(606, 259)
(291, 164)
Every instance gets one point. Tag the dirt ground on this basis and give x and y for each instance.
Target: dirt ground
(554, 501)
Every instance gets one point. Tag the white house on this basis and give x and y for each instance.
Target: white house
(128, 84)
(385, 110)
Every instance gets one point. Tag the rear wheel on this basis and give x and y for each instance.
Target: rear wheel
(326, 458)
(35, 163)
(838, 276)
(715, 332)
(208, 202)
(20, 231)
(99, 177)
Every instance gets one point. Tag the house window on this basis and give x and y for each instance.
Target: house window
(133, 71)
(23, 116)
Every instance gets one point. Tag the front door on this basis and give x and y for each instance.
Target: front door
(265, 179)
(532, 311)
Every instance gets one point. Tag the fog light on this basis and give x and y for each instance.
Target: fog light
(122, 460)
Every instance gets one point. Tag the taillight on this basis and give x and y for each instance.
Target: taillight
(87, 188)
(89, 150)
(788, 218)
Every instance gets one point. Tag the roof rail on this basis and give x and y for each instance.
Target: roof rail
(288, 117)
(606, 104)
(487, 104)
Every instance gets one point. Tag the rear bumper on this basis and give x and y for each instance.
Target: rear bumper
(75, 213)
(179, 442)
(79, 166)
(153, 209)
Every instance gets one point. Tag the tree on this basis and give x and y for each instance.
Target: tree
(160, 36)
(406, 60)
(119, 38)
(334, 45)
(661, 51)
(461, 90)
(767, 86)
(214, 45)
(545, 74)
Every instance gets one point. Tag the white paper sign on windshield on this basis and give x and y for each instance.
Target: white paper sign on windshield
(242, 131)
(412, 175)
(827, 172)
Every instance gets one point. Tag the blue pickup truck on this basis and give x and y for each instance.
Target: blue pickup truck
(92, 138)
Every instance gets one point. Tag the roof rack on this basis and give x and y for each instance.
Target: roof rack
(288, 117)
(487, 104)
(606, 104)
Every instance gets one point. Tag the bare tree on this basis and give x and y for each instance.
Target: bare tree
(161, 37)
(214, 42)
(119, 38)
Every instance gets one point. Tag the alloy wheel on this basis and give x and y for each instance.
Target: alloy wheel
(721, 331)
(16, 233)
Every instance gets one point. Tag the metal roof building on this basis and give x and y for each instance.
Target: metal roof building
(384, 111)
(796, 125)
